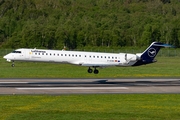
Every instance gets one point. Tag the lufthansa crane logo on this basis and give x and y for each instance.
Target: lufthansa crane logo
(152, 52)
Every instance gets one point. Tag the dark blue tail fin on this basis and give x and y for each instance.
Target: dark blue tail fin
(150, 53)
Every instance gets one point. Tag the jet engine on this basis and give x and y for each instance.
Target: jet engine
(131, 57)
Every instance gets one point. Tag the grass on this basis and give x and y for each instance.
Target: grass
(168, 67)
(91, 107)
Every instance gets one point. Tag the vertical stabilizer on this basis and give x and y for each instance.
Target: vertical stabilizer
(150, 53)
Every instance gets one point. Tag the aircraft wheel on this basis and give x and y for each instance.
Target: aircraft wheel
(90, 70)
(96, 71)
(13, 63)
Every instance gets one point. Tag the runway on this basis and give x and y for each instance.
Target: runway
(88, 86)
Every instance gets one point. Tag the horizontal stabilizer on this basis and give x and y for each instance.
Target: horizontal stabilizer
(162, 45)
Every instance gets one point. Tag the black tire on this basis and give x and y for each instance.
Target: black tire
(96, 71)
(90, 70)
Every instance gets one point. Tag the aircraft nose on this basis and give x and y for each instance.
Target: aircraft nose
(8, 56)
(5, 57)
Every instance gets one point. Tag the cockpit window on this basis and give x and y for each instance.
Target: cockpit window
(16, 51)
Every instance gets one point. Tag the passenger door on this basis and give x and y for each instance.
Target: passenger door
(27, 54)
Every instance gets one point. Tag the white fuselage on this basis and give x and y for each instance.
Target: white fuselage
(91, 59)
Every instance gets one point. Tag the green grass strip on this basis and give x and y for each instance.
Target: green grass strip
(166, 67)
(91, 107)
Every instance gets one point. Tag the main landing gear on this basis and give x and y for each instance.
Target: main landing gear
(91, 70)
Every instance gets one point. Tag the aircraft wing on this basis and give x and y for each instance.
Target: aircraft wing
(97, 64)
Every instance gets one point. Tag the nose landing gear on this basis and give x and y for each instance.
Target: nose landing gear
(12, 64)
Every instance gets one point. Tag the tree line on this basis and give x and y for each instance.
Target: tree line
(75, 24)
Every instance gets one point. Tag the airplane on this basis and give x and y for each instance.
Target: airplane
(89, 59)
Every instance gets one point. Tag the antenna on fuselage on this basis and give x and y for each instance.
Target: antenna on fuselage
(64, 48)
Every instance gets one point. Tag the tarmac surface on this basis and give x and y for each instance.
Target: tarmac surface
(88, 86)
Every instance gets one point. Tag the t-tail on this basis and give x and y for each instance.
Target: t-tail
(150, 53)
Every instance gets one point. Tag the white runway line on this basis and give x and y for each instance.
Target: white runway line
(13, 82)
(75, 88)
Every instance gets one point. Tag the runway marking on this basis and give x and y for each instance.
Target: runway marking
(75, 88)
(13, 82)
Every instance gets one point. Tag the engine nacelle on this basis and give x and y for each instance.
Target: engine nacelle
(131, 57)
